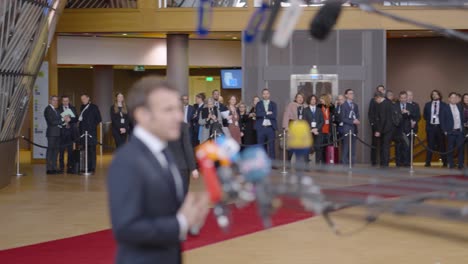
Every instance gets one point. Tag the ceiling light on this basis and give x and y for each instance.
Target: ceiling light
(234, 37)
(405, 36)
(124, 34)
(90, 67)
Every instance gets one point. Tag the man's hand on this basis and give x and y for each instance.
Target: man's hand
(315, 131)
(413, 123)
(195, 174)
(195, 209)
(356, 122)
(377, 134)
(123, 131)
(269, 113)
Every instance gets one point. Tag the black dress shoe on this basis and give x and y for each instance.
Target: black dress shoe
(59, 172)
(427, 165)
(50, 172)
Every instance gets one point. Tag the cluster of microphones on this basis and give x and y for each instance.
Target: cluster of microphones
(320, 26)
(232, 176)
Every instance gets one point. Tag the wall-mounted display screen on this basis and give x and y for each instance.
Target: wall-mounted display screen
(231, 78)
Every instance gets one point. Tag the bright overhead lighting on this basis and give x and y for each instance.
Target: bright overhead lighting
(234, 37)
(124, 34)
(405, 36)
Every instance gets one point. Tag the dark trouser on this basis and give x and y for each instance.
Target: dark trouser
(345, 158)
(325, 139)
(66, 143)
(403, 151)
(119, 139)
(69, 149)
(91, 157)
(385, 141)
(317, 148)
(267, 134)
(53, 144)
(435, 141)
(455, 142)
(91, 151)
(374, 151)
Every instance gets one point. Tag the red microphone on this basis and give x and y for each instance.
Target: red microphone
(206, 163)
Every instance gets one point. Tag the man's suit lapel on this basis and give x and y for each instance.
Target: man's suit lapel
(156, 167)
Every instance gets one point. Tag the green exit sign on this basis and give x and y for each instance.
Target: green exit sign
(139, 68)
(209, 79)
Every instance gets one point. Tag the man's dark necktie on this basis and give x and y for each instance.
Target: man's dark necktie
(435, 112)
(173, 174)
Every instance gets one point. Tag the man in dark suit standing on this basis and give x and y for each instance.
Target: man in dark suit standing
(89, 119)
(452, 121)
(188, 110)
(149, 214)
(416, 114)
(314, 116)
(222, 108)
(198, 107)
(435, 136)
(54, 124)
(69, 133)
(372, 115)
(404, 130)
(384, 127)
(350, 118)
(184, 156)
(265, 123)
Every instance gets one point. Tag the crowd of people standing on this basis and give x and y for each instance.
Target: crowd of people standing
(391, 116)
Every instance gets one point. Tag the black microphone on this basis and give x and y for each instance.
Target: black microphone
(325, 20)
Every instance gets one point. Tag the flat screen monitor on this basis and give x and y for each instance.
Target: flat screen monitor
(231, 78)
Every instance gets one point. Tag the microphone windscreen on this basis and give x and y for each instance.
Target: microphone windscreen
(255, 164)
(299, 136)
(228, 148)
(325, 19)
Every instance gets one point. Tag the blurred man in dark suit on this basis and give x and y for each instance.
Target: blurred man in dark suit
(435, 136)
(196, 129)
(150, 215)
(452, 121)
(416, 115)
(69, 133)
(265, 123)
(184, 156)
(371, 115)
(349, 116)
(54, 124)
(404, 129)
(188, 110)
(384, 127)
(89, 119)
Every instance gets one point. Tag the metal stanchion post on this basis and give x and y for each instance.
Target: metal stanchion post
(411, 151)
(86, 173)
(18, 173)
(100, 145)
(284, 153)
(350, 149)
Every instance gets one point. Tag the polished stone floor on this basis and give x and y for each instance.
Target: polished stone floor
(39, 207)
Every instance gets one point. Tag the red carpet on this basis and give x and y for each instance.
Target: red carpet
(99, 247)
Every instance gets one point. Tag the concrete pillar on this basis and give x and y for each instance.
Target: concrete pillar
(178, 61)
(103, 89)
